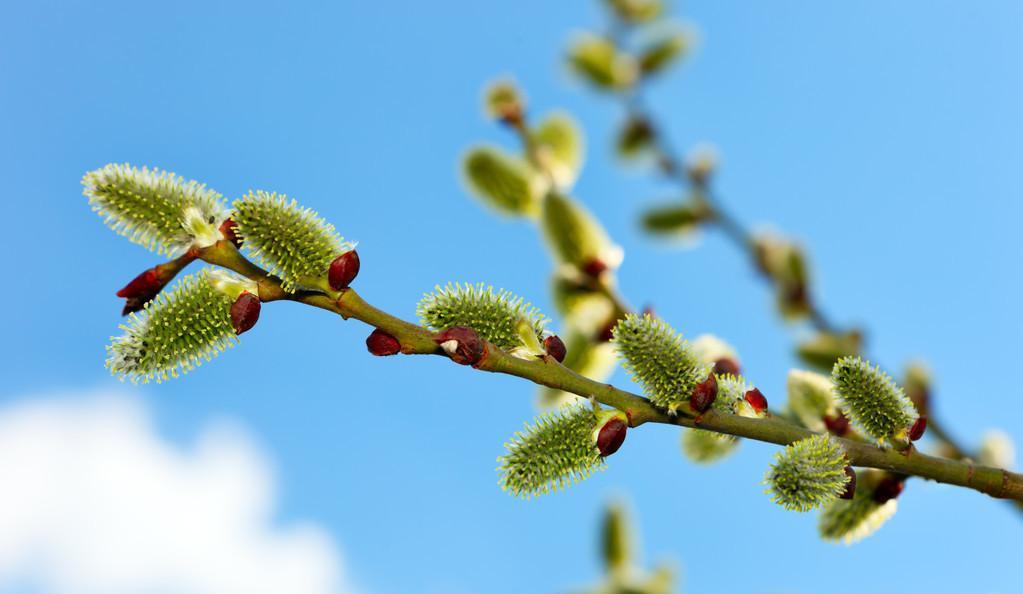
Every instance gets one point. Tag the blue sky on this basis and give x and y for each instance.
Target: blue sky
(884, 136)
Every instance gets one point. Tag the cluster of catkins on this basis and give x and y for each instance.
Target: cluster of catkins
(170, 332)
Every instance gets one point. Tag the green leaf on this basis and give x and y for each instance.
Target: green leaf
(675, 219)
(291, 241)
(808, 474)
(495, 316)
(852, 520)
(176, 332)
(811, 398)
(871, 399)
(502, 182)
(659, 360)
(557, 450)
(560, 147)
(662, 50)
(574, 235)
(597, 60)
(155, 209)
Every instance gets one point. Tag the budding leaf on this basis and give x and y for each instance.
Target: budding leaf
(175, 332)
(495, 315)
(503, 101)
(808, 473)
(501, 181)
(292, 241)
(560, 147)
(871, 399)
(852, 520)
(155, 209)
(811, 398)
(597, 60)
(557, 450)
(635, 137)
(574, 235)
(659, 359)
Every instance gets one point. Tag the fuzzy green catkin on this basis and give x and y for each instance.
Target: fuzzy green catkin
(292, 241)
(155, 209)
(616, 538)
(174, 333)
(871, 399)
(659, 359)
(811, 398)
(852, 520)
(705, 447)
(574, 234)
(557, 450)
(494, 315)
(595, 360)
(559, 147)
(501, 181)
(808, 473)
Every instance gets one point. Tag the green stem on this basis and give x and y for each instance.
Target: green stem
(545, 371)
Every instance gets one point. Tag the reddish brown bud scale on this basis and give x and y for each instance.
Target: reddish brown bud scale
(756, 399)
(382, 344)
(611, 436)
(918, 428)
(462, 344)
(229, 230)
(837, 425)
(343, 270)
(245, 312)
(850, 487)
(704, 394)
(555, 347)
(594, 267)
(889, 488)
(141, 290)
(607, 332)
(726, 365)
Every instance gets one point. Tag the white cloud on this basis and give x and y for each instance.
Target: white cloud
(93, 501)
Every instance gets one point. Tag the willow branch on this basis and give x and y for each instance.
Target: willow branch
(415, 339)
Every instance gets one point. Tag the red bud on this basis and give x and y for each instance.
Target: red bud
(889, 488)
(607, 332)
(462, 344)
(343, 270)
(141, 290)
(850, 487)
(726, 365)
(755, 398)
(555, 347)
(704, 394)
(229, 229)
(594, 267)
(382, 344)
(837, 425)
(245, 312)
(918, 428)
(611, 436)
